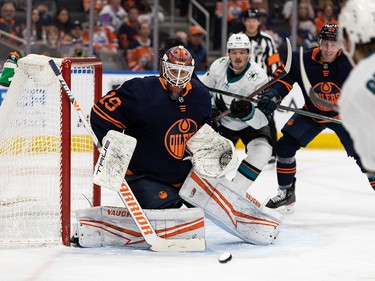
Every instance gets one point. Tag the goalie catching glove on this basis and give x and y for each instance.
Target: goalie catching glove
(212, 154)
(114, 159)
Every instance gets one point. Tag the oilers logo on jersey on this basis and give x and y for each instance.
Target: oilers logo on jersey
(328, 91)
(177, 136)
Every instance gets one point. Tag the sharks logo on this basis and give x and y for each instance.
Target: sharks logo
(252, 75)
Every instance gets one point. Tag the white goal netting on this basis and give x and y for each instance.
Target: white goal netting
(30, 152)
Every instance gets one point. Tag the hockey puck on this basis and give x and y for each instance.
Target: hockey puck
(224, 258)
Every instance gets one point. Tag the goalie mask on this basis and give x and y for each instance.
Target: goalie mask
(176, 68)
(357, 23)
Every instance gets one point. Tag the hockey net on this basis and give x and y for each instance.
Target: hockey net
(46, 155)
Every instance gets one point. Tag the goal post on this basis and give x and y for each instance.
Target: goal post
(84, 77)
(46, 156)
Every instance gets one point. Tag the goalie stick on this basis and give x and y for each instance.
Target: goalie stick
(309, 90)
(128, 198)
(265, 86)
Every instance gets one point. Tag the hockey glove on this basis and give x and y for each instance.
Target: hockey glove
(242, 109)
(213, 155)
(268, 101)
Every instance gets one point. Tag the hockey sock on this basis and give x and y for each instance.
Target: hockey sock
(258, 154)
(371, 179)
(286, 171)
(245, 176)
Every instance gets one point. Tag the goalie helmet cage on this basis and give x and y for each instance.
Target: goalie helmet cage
(46, 155)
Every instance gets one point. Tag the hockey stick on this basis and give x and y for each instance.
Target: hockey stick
(309, 90)
(265, 86)
(127, 196)
(298, 111)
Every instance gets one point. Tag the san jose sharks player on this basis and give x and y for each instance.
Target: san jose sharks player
(357, 101)
(235, 73)
(327, 70)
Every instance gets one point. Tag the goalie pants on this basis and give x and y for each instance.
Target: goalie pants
(298, 132)
(152, 194)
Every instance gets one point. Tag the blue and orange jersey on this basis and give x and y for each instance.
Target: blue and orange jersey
(326, 79)
(143, 109)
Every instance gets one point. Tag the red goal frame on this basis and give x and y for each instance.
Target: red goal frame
(65, 185)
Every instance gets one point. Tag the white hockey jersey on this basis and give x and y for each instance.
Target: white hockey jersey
(356, 108)
(252, 78)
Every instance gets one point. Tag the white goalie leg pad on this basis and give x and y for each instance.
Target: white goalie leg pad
(115, 155)
(114, 226)
(212, 154)
(245, 218)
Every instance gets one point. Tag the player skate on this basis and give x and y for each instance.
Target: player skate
(285, 199)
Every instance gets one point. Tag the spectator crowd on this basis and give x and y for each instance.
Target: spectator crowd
(123, 28)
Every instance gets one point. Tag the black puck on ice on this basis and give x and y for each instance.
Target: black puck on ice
(224, 258)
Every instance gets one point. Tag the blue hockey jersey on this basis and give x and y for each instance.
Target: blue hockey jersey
(143, 109)
(326, 79)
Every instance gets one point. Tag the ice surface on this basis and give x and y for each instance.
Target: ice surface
(329, 237)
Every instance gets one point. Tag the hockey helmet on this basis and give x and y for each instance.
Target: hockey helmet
(176, 68)
(251, 13)
(238, 41)
(356, 21)
(328, 32)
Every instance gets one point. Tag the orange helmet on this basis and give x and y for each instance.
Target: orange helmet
(176, 68)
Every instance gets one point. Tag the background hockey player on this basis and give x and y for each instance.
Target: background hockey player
(357, 101)
(264, 52)
(327, 70)
(235, 73)
(161, 113)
